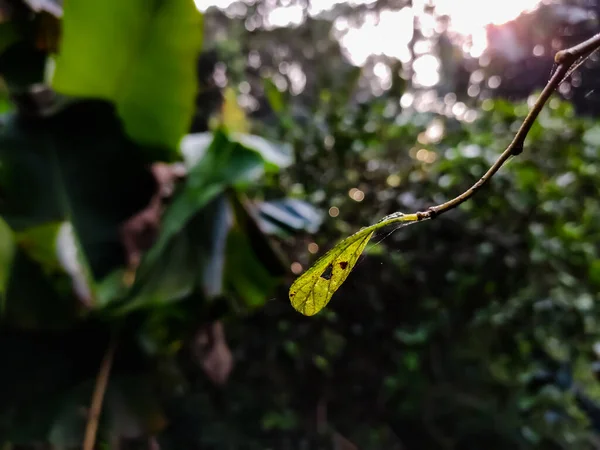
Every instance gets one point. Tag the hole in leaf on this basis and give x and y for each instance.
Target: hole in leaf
(328, 272)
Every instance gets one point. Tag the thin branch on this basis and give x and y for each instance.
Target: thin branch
(565, 60)
(91, 428)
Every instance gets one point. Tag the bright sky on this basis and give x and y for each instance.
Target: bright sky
(390, 33)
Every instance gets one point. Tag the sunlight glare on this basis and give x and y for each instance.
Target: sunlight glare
(389, 32)
(285, 16)
(469, 18)
(388, 35)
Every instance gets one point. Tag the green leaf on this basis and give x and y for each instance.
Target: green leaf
(68, 183)
(226, 163)
(274, 96)
(288, 215)
(192, 261)
(233, 117)
(311, 292)
(8, 35)
(592, 136)
(247, 276)
(187, 256)
(39, 242)
(7, 253)
(276, 156)
(36, 301)
(245, 219)
(76, 166)
(253, 266)
(140, 55)
(56, 248)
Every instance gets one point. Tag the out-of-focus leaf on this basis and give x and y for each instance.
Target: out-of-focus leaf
(274, 97)
(7, 253)
(245, 274)
(39, 242)
(233, 117)
(262, 247)
(188, 253)
(194, 147)
(112, 287)
(192, 261)
(225, 164)
(34, 301)
(74, 262)
(276, 156)
(289, 214)
(65, 211)
(311, 292)
(8, 35)
(592, 136)
(55, 170)
(56, 248)
(139, 55)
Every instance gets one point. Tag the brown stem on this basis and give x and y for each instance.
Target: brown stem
(91, 427)
(565, 59)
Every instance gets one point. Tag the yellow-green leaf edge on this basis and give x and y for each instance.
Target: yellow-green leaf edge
(313, 290)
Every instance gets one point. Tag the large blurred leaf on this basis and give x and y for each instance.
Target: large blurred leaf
(253, 266)
(274, 96)
(261, 245)
(289, 215)
(192, 261)
(246, 275)
(68, 183)
(276, 156)
(189, 254)
(7, 251)
(226, 163)
(34, 300)
(75, 166)
(8, 35)
(55, 247)
(139, 54)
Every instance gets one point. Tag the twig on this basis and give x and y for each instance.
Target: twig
(91, 427)
(564, 59)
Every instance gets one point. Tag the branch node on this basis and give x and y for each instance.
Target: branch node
(517, 150)
(432, 212)
(563, 57)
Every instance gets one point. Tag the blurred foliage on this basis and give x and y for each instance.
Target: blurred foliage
(475, 330)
